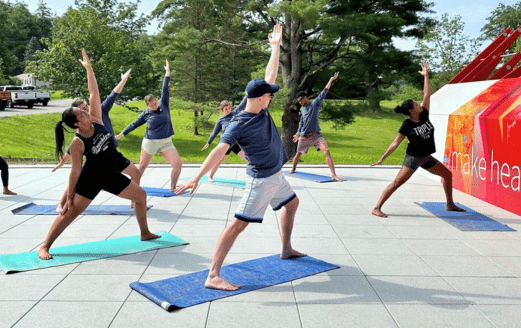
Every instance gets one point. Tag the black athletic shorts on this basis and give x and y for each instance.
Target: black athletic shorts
(235, 148)
(121, 162)
(413, 162)
(93, 180)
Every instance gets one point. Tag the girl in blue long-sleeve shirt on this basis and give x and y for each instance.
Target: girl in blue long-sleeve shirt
(221, 125)
(158, 136)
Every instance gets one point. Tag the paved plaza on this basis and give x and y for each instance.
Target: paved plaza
(411, 269)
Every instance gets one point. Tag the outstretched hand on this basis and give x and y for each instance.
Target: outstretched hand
(125, 75)
(119, 136)
(334, 77)
(275, 36)
(425, 67)
(377, 163)
(192, 184)
(205, 146)
(167, 68)
(85, 61)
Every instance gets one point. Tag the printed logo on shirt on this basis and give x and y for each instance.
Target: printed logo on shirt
(100, 143)
(425, 130)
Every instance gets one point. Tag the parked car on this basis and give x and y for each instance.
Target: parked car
(5, 97)
(42, 97)
(19, 96)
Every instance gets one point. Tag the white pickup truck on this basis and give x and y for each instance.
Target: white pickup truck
(42, 97)
(19, 96)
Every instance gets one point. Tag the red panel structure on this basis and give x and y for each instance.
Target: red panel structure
(516, 72)
(483, 70)
(507, 67)
(476, 61)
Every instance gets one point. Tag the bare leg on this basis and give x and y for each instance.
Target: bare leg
(404, 175)
(287, 217)
(224, 244)
(446, 174)
(139, 197)
(61, 222)
(329, 161)
(216, 167)
(173, 158)
(295, 162)
(135, 175)
(144, 161)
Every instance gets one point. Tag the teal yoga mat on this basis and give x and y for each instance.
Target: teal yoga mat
(87, 252)
(222, 181)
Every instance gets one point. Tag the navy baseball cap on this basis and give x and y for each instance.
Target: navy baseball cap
(260, 87)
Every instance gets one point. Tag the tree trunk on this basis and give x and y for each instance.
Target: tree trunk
(291, 64)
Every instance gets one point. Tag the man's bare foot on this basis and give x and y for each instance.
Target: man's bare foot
(43, 253)
(291, 171)
(219, 283)
(59, 208)
(455, 208)
(334, 177)
(379, 213)
(149, 236)
(9, 192)
(210, 179)
(291, 253)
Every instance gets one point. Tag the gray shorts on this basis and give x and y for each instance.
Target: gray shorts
(157, 146)
(260, 192)
(413, 162)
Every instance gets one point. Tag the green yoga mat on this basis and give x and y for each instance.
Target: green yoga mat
(86, 252)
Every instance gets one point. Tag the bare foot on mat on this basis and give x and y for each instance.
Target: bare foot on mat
(219, 283)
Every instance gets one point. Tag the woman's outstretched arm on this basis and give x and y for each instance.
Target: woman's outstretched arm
(94, 99)
(426, 86)
(392, 147)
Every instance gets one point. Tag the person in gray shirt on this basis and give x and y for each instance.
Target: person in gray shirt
(308, 133)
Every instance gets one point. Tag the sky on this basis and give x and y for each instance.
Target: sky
(472, 12)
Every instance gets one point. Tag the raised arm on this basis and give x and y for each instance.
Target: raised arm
(334, 77)
(165, 92)
(121, 84)
(272, 69)
(426, 102)
(134, 125)
(392, 147)
(94, 99)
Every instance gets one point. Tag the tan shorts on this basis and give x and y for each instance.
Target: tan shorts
(157, 146)
(313, 139)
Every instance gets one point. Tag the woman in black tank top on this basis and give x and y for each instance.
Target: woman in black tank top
(98, 173)
(420, 133)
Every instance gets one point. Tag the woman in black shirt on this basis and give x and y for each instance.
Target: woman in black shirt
(420, 133)
(99, 172)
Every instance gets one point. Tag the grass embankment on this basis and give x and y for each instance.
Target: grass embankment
(30, 138)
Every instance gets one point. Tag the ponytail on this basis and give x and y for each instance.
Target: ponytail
(70, 119)
(405, 107)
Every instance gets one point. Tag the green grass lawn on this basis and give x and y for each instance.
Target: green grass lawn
(30, 138)
(56, 95)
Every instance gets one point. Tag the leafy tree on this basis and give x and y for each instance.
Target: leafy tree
(446, 47)
(111, 49)
(500, 18)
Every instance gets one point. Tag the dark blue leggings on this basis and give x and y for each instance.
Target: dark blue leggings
(5, 172)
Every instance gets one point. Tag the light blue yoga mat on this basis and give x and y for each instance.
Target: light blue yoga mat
(188, 290)
(86, 252)
(222, 181)
(160, 192)
(465, 221)
(309, 176)
(33, 209)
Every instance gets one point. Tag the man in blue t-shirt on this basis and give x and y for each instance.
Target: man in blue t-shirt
(308, 133)
(255, 132)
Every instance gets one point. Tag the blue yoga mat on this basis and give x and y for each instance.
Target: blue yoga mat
(465, 221)
(309, 176)
(159, 192)
(222, 181)
(188, 290)
(33, 209)
(86, 252)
